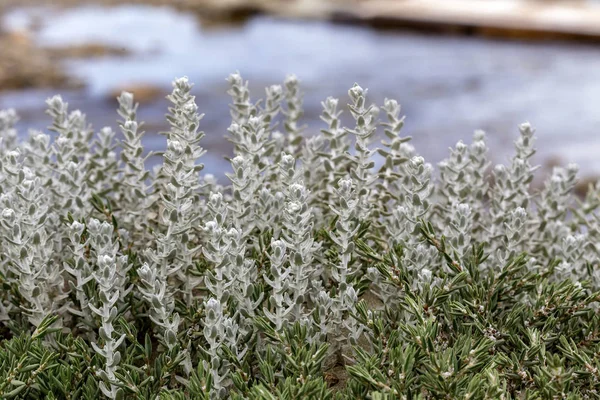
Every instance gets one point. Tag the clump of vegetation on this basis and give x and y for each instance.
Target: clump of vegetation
(326, 268)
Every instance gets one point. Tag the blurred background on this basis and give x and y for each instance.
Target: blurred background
(454, 65)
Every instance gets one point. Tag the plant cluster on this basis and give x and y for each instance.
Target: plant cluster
(325, 268)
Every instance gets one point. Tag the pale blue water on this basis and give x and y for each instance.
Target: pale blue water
(448, 86)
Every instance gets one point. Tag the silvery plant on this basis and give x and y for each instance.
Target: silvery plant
(331, 262)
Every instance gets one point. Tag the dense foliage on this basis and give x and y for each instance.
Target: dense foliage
(324, 269)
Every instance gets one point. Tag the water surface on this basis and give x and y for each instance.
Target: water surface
(448, 86)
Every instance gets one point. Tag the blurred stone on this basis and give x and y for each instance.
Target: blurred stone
(23, 65)
(143, 93)
(19, 38)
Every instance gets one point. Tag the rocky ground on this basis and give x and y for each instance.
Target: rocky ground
(25, 65)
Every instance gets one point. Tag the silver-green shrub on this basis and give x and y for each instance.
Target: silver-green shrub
(460, 282)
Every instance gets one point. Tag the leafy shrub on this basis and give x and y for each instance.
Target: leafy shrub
(312, 274)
